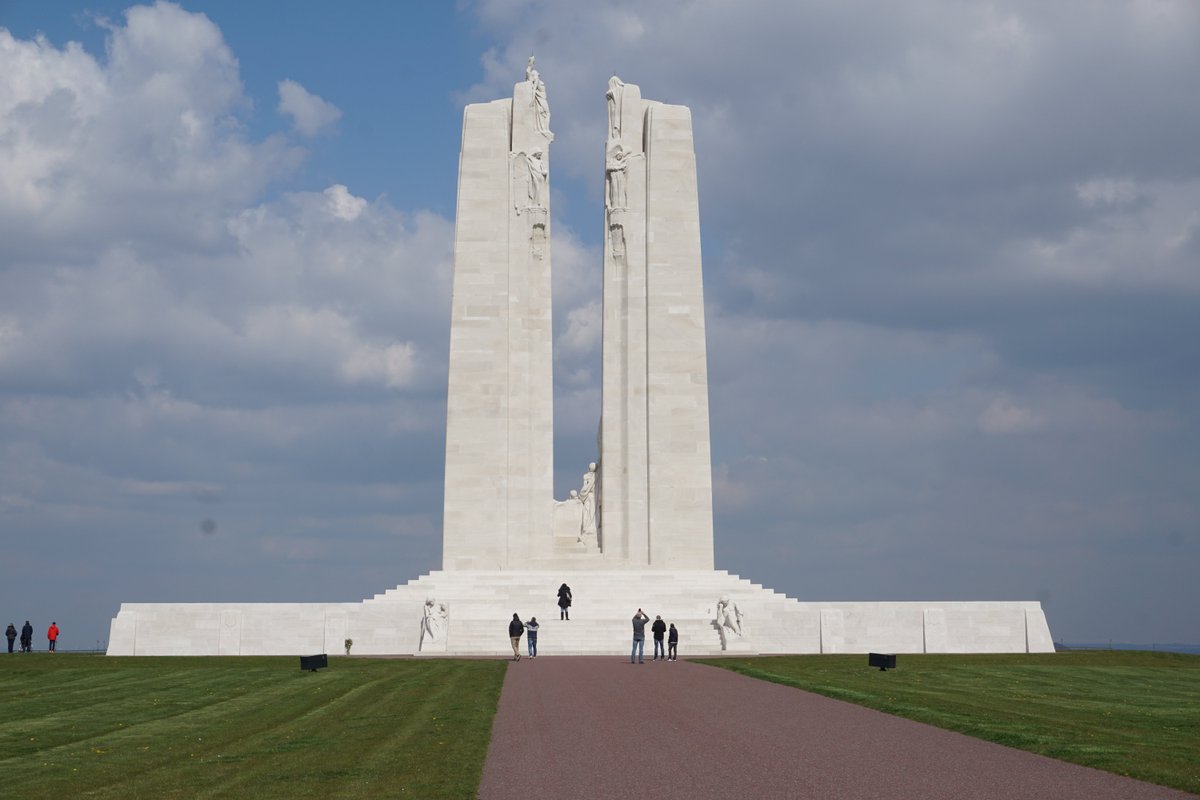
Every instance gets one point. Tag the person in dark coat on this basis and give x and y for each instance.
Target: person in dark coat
(564, 602)
(658, 629)
(672, 643)
(26, 637)
(515, 629)
(638, 651)
(11, 633)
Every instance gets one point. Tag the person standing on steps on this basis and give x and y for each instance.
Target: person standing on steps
(639, 637)
(515, 629)
(659, 628)
(531, 629)
(26, 637)
(672, 643)
(11, 633)
(564, 602)
(52, 635)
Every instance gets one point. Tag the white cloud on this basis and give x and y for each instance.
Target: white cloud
(342, 204)
(582, 335)
(146, 148)
(169, 337)
(325, 343)
(1002, 416)
(295, 548)
(310, 114)
(199, 490)
(1107, 191)
(14, 501)
(1145, 236)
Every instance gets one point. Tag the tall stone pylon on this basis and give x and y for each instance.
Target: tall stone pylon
(655, 459)
(500, 409)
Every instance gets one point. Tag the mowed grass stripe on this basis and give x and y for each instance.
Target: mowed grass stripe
(234, 727)
(56, 716)
(1132, 713)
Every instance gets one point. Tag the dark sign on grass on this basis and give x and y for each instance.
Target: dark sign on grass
(314, 663)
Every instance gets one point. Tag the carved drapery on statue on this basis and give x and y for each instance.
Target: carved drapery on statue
(615, 87)
(618, 156)
(530, 168)
(587, 496)
(615, 153)
(541, 106)
(530, 176)
(614, 168)
(435, 616)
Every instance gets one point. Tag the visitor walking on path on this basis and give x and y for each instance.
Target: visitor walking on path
(52, 635)
(531, 629)
(564, 602)
(639, 637)
(11, 633)
(672, 643)
(659, 628)
(515, 629)
(26, 637)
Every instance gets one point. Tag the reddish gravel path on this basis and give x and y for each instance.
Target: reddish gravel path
(579, 727)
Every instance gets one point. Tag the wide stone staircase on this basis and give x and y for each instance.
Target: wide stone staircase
(481, 605)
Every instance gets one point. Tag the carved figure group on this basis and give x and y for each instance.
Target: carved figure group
(729, 620)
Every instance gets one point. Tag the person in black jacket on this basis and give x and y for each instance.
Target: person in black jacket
(11, 633)
(672, 643)
(26, 637)
(515, 629)
(658, 629)
(564, 602)
(639, 637)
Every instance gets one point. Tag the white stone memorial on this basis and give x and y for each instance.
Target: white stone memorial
(639, 530)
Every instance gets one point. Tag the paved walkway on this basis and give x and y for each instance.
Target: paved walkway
(586, 727)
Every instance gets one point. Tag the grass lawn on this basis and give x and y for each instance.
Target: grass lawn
(92, 726)
(1132, 713)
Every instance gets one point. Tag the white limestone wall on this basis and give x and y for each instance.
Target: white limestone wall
(210, 629)
(500, 413)
(680, 464)
(624, 476)
(656, 468)
(481, 603)
(476, 491)
(530, 472)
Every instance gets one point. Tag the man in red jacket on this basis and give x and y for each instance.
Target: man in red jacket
(52, 635)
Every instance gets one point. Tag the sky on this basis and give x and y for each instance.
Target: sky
(951, 264)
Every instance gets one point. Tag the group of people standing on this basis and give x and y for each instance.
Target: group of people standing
(659, 629)
(517, 628)
(27, 636)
